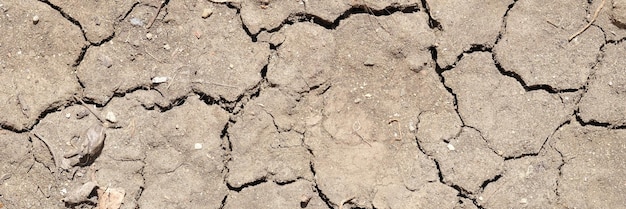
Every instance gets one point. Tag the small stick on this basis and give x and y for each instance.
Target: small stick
(155, 15)
(595, 15)
(153, 57)
(55, 156)
(90, 110)
(355, 131)
(551, 23)
(213, 83)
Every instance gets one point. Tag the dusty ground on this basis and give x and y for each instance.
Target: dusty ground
(315, 104)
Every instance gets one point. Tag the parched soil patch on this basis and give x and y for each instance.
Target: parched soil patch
(312, 104)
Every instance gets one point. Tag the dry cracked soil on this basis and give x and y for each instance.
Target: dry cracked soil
(313, 104)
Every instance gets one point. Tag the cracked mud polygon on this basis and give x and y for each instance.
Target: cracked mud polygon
(315, 104)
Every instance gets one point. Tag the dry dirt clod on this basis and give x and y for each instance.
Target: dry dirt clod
(81, 194)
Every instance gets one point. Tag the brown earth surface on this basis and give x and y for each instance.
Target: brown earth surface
(313, 104)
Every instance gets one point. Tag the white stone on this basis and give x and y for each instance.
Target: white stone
(451, 147)
(207, 12)
(111, 117)
(159, 79)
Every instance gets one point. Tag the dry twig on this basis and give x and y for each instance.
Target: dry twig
(156, 15)
(595, 15)
(355, 131)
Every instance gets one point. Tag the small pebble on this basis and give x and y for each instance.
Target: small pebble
(35, 19)
(149, 36)
(304, 200)
(197, 146)
(451, 147)
(82, 114)
(523, 201)
(206, 13)
(136, 21)
(167, 47)
(68, 115)
(111, 117)
(159, 79)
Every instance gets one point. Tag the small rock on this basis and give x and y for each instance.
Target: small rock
(149, 36)
(412, 126)
(159, 79)
(207, 12)
(357, 100)
(82, 114)
(451, 147)
(167, 47)
(111, 117)
(523, 201)
(197, 146)
(136, 21)
(304, 200)
(68, 115)
(35, 19)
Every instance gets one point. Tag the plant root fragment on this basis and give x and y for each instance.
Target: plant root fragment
(595, 15)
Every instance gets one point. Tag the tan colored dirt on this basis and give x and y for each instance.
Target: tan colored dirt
(313, 104)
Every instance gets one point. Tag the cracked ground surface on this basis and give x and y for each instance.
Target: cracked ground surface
(316, 104)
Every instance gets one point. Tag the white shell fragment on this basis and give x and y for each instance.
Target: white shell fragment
(159, 79)
(111, 117)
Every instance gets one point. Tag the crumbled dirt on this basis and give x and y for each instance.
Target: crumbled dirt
(315, 104)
